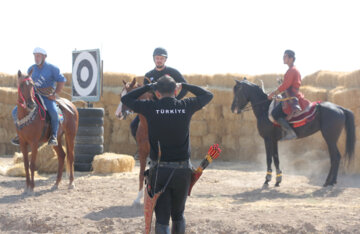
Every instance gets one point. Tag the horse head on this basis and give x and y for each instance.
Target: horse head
(123, 111)
(26, 92)
(241, 96)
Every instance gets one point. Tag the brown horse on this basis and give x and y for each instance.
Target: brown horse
(35, 130)
(142, 138)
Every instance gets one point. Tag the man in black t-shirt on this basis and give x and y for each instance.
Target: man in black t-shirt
(169, 122)
(160, 56)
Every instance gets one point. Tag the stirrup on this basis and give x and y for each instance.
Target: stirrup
(53, 141)
(15, 141)
(289, 135)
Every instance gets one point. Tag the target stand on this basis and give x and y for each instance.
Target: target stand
(86, 75)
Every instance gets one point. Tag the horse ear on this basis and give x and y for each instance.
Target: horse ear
(133, 82)
(31, 71)
(245, 78)
(237, 81)
(19, 74)
(124, 82)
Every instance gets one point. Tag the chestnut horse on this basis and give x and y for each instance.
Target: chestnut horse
(142, 138)
(35, 130)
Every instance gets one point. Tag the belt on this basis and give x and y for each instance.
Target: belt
(179, 164)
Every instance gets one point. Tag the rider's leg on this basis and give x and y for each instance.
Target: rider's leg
(15, 140)
(280, 116)
(51, 108)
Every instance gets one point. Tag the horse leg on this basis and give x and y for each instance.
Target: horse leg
(142, 158)
(34, 150)
(277, 164)
(335, 161)
(269, 152)
(331, 130)
(70, 143)
(61, 157)
(24, 151)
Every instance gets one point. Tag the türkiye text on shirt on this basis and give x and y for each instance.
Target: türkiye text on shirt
(170, 111)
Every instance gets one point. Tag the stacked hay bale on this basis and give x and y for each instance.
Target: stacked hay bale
(112, 163)
(237, 134)
(46, 159)
(8, 100)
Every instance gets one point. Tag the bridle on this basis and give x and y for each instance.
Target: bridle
(22, 101)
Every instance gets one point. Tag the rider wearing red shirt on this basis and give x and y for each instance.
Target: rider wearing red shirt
(290, 89)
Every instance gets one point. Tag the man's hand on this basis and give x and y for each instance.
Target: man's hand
(52, 97)
(271, 95)
(178, 87)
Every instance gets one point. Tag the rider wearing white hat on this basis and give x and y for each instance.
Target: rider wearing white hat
(46, 77)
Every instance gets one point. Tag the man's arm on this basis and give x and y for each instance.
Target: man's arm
(131, 99)
(179, 79)
(203, 96)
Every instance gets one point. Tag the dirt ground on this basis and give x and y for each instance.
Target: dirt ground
(227, 199)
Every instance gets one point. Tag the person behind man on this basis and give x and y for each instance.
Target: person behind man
(290, 87)
(48, 83)
(160, 56)
(169, 122)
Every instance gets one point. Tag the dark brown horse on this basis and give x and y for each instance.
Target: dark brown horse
(36, 131)
(142, 138)
(330, 120)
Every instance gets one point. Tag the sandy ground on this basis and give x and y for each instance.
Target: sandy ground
(227, 199)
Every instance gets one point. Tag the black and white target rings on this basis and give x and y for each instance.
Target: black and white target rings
(86, 75)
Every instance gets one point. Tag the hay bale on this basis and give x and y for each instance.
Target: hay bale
(198, 128)
(348, 98)
(112, 163)
(196, 141)
(324, 79)
(210, 139)
(197, 79)
(8, 95)
(222, 96)
(223, 80)
(16, 170)
(111, 96)
(352, 80)
(8, 80)
(229, 142)
(314, 94)
(269, 80)
(213, 112)
(46, 159)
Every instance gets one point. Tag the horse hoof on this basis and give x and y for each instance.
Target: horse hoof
(28, 192)
(54, 187)
(265, 186)
(277, 184)
(71, 186)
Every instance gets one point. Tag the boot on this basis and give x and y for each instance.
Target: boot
(288, 132)
(178, 227)
(53, 141)
(15, 141)
(161, 229)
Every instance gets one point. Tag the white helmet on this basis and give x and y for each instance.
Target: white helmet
(39, 50)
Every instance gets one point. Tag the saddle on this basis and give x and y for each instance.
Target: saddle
(44, 112)
(299, 118)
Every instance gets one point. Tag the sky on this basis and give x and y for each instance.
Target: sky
(201, 36)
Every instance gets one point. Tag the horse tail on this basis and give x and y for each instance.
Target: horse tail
(350, 133)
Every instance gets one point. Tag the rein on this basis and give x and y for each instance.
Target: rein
(22, 101)
(251, 106)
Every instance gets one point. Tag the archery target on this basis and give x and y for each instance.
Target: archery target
(86, 74)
